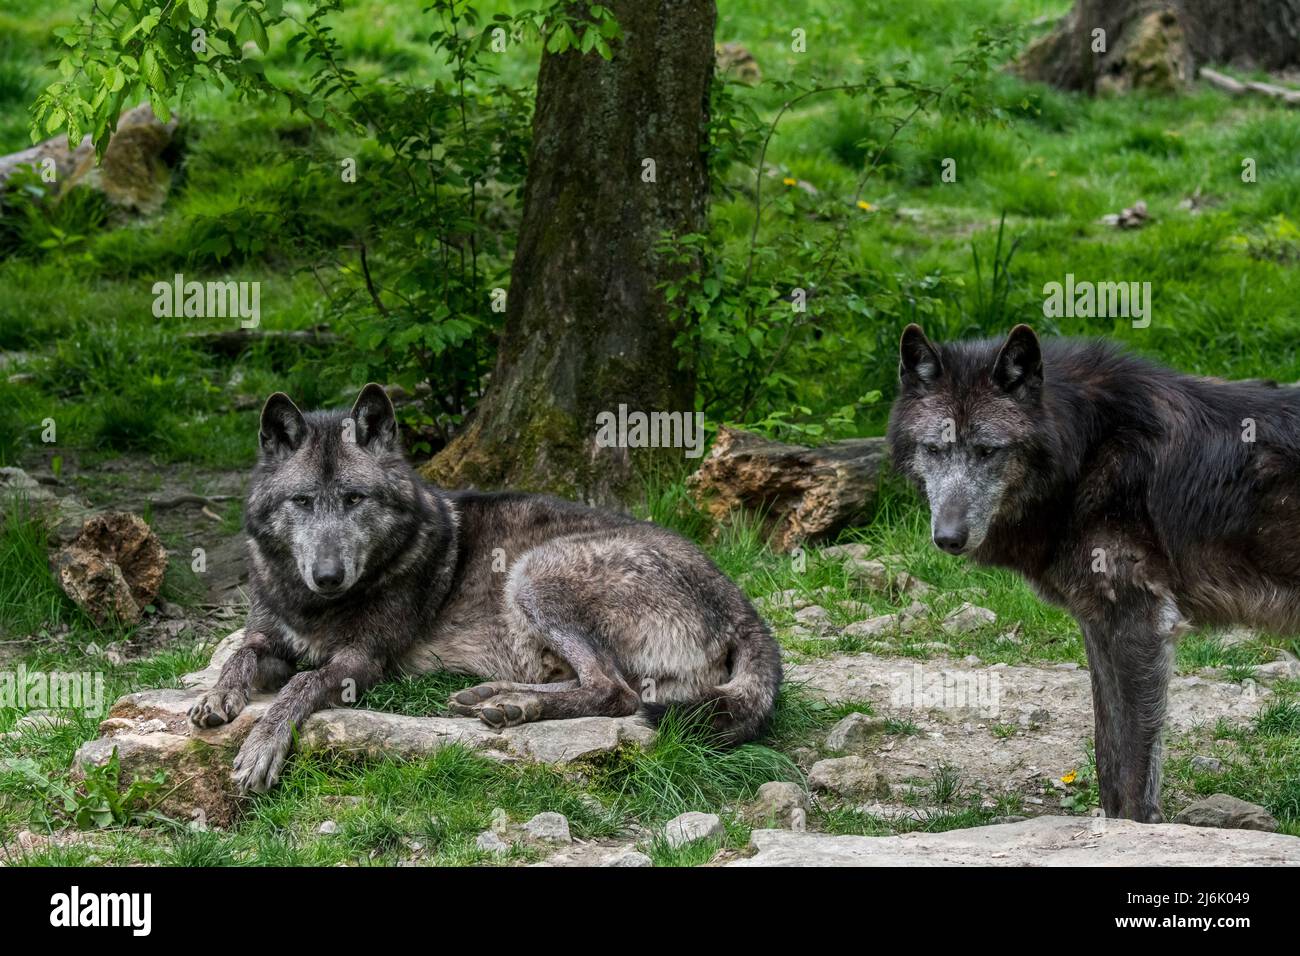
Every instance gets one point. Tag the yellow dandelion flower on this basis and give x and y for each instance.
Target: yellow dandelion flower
(790, 181)
(1070, 777)
(865, 206)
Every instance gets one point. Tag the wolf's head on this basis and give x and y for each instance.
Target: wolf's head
(965, 429)
(332, 496)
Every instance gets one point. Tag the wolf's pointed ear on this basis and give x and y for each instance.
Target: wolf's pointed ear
(1018, 369)
(918, 359)
(376, 422)
(283, 427)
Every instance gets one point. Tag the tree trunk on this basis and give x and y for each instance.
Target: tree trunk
(587, 327)
(1159, 44)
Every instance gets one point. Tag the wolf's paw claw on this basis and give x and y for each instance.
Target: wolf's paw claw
(260, 760)
(510, 710)
(217, 707)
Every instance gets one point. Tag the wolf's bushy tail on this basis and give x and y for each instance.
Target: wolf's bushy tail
(738, 710)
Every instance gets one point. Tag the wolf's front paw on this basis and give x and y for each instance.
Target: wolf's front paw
(509, 710)
(217, 707)
(260, 760)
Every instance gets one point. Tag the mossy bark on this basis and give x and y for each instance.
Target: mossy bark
(587, 327)
(1158, 44)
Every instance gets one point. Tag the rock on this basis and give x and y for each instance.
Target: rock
(549, 828)
(852, 732)
(934, 647)
(846, 776)
(1033, 718)
(63, 515)
(198, 783)
(41, 720)
(692, 827)
(815, 618)
(152, 732)
(879, 626)
(777, 800)
(855, 551)
(968, 618)
(870, 573)
(802, 494)
(1132, 217)
(1237, 636)
(1282, 669)
(1227, 812)
(327, 828)
(736, 60)
(628, 858)
(489, 842)
(1207, 764)
(564, 741)
(499, 821)
(113, 569)
(904, 582)
(132, 175)
(1041, 841)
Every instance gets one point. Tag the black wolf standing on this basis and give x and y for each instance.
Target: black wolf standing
(1142, 500)
(362, 570)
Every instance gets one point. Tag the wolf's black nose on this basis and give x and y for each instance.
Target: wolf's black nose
(952, 540)
(328, 574)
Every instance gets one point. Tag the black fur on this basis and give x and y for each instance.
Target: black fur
(1131, 495)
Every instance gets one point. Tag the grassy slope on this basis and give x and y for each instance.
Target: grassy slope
(116, 378)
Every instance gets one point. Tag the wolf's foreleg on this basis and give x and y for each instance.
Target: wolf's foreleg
(263, 661)
(342, 680)
(1130, 659)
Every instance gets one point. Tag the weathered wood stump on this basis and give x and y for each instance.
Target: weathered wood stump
(801, 494)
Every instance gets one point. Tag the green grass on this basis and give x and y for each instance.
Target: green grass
(30, 598)
(1261, 762)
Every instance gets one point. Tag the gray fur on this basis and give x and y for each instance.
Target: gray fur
(362, 570)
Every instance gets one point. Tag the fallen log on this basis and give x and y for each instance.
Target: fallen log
(1237, 87)
(799, 493)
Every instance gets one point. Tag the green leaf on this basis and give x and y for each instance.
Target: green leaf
(259, 33)
(152, 72)
(199, 8)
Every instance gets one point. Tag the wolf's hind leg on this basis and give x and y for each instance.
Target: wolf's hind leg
(466, 702)
(262, 662)
(598, 691)
(598, 698)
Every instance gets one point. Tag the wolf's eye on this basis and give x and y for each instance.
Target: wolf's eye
(985, 451)
(302, 501)
(934, 449)
(352, 498)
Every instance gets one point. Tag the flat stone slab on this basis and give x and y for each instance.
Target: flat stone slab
(1041, 841)
(151, 731)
